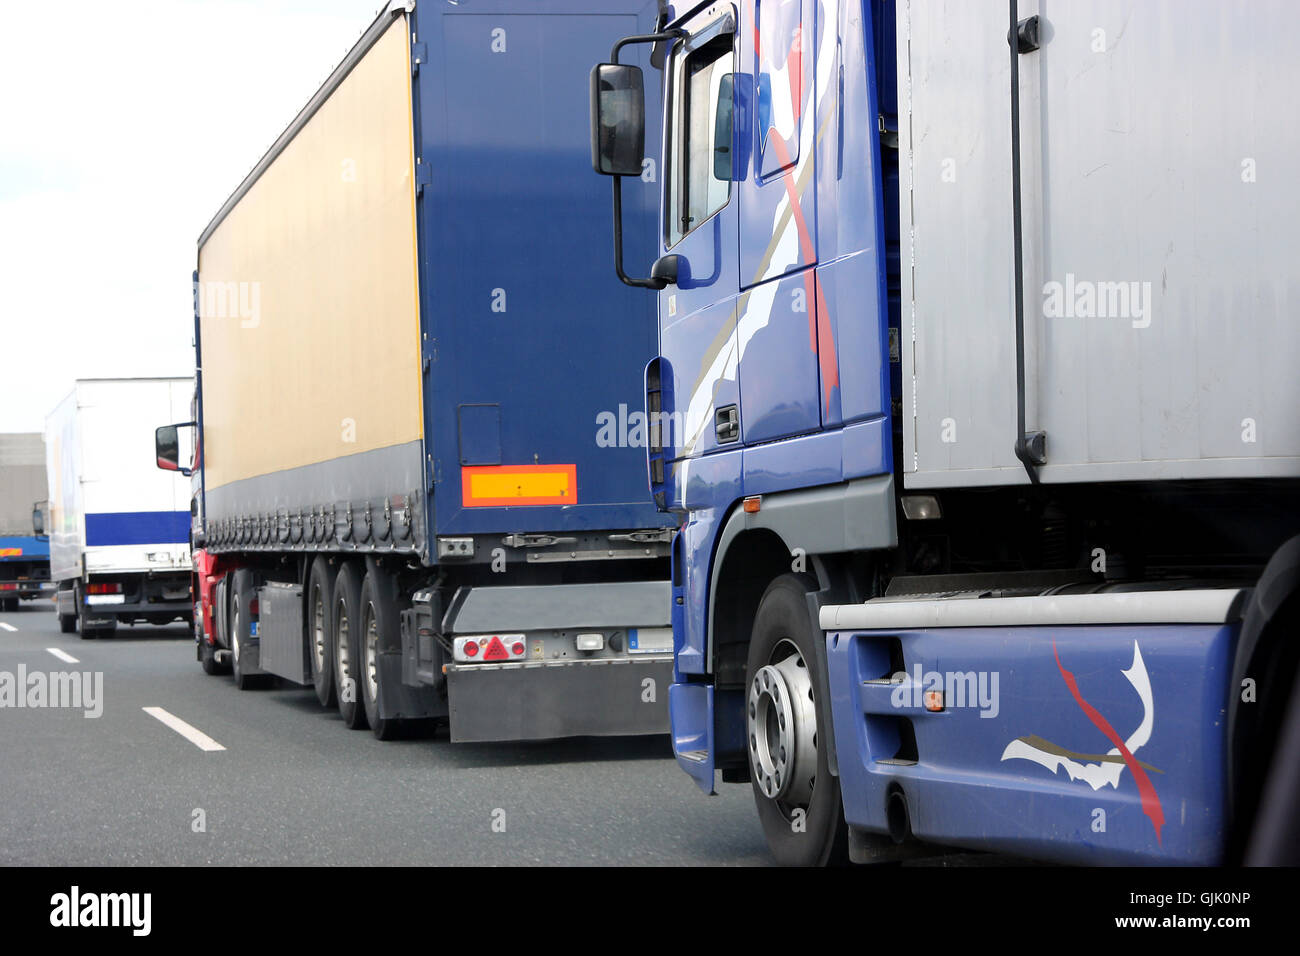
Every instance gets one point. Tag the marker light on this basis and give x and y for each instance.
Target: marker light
(590, 642)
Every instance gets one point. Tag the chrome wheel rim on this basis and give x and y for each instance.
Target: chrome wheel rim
(781, 718)
(234, 639)
(318, 632)
(341, 636)
(372, 654)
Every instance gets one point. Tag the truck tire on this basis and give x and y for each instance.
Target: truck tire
(241, 616)
(320, 631)
(381, 628)
(347, 644)
(67, 623)
(221, 613)
(9, 605)
(89, 633)
(788, 761)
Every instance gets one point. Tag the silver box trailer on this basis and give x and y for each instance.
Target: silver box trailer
(1161, 212)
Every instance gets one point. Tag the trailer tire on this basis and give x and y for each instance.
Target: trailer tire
(347, 644)
(221, 613)
(9, 605)
(320, 631)
(67, 623)
(381, 627)
(240, 633)
(782, 714)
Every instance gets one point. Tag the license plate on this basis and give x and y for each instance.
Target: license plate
(650, 640)
(93, 599)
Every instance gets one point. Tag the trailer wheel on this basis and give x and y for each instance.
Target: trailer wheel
(381, 628)
(320, 631)
(798, 798)
(347, 644)
(241, 616)
(221, 611)
(9, 605)
(67, 623)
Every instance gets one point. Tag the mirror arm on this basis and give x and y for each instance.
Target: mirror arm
(663, 36)
(618, 244)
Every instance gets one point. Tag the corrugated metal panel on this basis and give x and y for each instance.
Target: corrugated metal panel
(22, 480)
(1161, 285)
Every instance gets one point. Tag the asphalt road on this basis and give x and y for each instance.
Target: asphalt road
(294, 786)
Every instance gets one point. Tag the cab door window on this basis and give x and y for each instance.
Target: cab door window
(695, 192)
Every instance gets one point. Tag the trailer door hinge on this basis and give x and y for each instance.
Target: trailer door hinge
(1028, 35)
(419, 52)
(423, 176)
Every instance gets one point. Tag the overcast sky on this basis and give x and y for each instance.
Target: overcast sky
(123, 127)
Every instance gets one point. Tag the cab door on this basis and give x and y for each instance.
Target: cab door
(697, 315)
(778, 332)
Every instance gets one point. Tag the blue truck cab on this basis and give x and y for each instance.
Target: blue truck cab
(917, 603)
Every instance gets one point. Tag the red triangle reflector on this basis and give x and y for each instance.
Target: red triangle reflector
(496, 651)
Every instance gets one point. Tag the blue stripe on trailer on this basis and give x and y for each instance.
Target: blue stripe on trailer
(23, 548)
(137, 527)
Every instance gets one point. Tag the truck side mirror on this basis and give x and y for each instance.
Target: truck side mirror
(167, 448)
(617, 119)
(38, 521)
(618, 132)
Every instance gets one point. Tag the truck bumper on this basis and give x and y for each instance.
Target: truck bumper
(27, 590)
(136, 611)
(540, 701)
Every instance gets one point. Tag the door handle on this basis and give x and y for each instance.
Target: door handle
(726, 424)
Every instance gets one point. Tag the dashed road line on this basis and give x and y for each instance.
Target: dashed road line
(195, 736)
(7, 627)
(63, 655)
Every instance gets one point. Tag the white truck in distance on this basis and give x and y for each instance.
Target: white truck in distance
(119, 527)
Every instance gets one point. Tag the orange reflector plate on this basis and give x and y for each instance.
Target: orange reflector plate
(495, 486)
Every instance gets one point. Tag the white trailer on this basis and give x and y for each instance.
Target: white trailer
(119, 527)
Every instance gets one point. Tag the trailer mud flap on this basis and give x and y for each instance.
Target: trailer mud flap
(546, 701)
(281, 646)
(399, 701)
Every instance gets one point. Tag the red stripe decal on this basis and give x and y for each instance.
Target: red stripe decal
(1150, 801)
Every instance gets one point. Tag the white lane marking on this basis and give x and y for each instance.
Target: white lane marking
(63, 655)
(7, 627)
(197, 737)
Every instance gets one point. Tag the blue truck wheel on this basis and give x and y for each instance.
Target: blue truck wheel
(797, 797)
